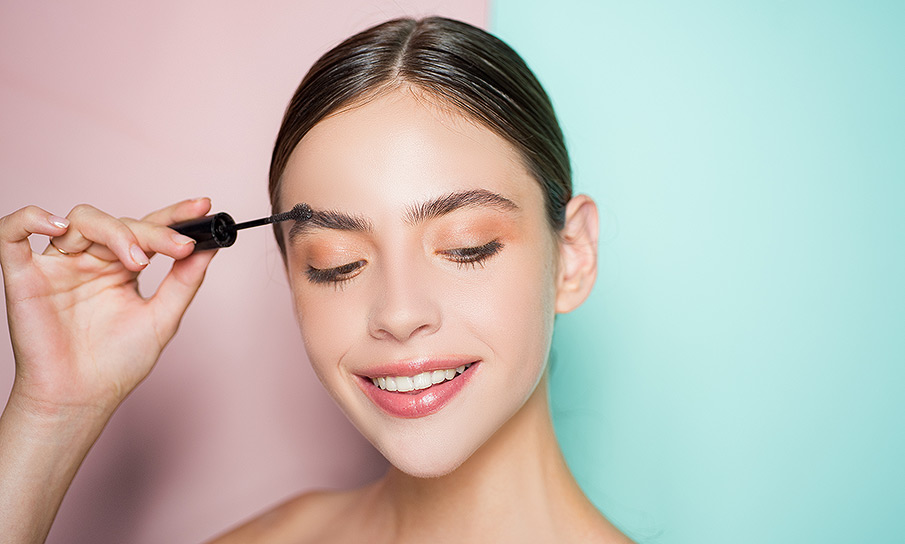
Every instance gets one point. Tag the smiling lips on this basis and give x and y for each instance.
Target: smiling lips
(416, 395)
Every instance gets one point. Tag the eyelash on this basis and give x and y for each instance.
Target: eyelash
(466, 256)
(333, 275)
(474, 256)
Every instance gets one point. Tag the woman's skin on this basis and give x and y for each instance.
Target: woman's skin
(484, 467)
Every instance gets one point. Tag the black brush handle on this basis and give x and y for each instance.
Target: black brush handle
(209, 232)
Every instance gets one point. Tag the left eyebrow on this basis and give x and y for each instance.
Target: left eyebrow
(474, 198)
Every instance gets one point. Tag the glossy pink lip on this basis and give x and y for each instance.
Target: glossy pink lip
(415, 366)
(415, 404)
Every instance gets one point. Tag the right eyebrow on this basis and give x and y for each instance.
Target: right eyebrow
(329, 219)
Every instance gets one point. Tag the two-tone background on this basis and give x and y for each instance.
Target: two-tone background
(737, 375)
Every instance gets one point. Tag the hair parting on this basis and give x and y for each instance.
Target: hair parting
(458, 64)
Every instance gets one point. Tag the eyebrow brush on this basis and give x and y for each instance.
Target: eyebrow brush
(220, 230)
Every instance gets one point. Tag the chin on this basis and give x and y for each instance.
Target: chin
(422, 461)
(418, 471)
(432, 446)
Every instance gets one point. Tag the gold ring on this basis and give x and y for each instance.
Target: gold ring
(62, 251)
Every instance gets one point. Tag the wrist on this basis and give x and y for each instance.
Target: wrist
(42, 446)
(43, 414)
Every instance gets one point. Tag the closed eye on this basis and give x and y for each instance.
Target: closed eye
(473, 256)
(336, 275)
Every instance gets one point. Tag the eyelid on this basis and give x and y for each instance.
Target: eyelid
(474, 255)
(333, 275)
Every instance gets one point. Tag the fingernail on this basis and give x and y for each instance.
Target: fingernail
(57, 221)
(138, 255)
(182, 240)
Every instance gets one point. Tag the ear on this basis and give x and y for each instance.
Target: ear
(577, 254)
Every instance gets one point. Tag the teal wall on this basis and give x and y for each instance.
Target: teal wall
(738, 374)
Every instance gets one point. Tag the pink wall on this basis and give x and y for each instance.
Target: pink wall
(131, 106)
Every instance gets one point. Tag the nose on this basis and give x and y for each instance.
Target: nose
(406, 305)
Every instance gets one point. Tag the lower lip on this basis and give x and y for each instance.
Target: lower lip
(416, 404)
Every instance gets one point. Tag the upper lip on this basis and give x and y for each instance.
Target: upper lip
(411, 367)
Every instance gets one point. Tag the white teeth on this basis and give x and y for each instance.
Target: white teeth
(422, 381)
(418, 381)
(404, 383)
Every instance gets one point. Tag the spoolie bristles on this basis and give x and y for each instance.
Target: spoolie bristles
(299, 212)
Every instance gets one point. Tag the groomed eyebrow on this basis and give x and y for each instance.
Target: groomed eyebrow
(415, 214)
(475, 198)
(329, 219)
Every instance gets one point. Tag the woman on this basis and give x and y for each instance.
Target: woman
(444, 240)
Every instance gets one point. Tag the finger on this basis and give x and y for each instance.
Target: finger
(16, 227)
(103, 236)
(181, 211)
(154, 238)
(178, 288)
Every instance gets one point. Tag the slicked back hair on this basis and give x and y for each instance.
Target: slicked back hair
(462, 65)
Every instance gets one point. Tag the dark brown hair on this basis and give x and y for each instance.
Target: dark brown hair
(456, 62)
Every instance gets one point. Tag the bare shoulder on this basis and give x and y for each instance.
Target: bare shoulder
(305, 518)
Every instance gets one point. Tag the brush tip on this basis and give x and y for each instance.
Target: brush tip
(300, 212)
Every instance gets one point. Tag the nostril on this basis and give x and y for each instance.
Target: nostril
(403, 325)
(402, 334)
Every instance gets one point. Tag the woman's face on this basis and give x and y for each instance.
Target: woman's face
(429, 251)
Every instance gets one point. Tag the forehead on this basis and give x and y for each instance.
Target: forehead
(397, 148)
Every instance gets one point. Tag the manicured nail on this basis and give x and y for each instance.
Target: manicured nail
(138, 255)
(182, 240)
(57, 221)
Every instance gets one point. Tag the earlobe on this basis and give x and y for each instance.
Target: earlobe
(577, 254)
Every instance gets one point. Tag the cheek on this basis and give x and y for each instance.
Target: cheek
(326, 319)
(512, 310)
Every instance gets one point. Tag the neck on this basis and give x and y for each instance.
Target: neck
(516, 485)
